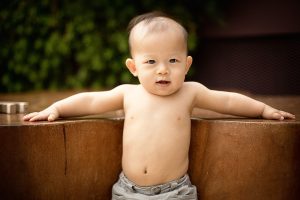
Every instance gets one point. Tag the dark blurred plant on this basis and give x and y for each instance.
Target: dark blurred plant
(52, 44)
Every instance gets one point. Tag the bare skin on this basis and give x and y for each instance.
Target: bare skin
(156, 135)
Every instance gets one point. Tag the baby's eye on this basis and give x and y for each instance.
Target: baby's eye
(150, 61)
(173, 60)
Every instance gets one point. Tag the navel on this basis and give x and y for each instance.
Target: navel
(145, 171)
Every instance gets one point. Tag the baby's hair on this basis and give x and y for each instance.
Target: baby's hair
(149, 17)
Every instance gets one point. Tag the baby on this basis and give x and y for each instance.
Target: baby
(157, 126)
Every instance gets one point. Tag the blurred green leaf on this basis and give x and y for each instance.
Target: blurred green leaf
(79, 44)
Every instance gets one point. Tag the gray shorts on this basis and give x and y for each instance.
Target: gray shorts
(178, 189)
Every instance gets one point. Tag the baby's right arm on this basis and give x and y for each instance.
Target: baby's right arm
(82, 104)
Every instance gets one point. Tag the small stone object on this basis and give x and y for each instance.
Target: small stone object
(11, 107)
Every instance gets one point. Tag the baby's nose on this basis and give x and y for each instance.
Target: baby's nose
(162, 70)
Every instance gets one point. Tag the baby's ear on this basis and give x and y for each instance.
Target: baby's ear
(189, 61)
(131, 66)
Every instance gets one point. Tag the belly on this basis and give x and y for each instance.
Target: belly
(155, 156)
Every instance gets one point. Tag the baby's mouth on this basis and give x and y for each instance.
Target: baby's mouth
(163, 82)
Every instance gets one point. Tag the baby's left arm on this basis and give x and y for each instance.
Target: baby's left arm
(237, 104)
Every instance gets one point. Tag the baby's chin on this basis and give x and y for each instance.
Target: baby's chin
(163, 92)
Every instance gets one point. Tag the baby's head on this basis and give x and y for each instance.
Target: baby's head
(154, 22)
(158, 46)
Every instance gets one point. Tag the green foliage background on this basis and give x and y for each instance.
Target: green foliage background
(63, 44)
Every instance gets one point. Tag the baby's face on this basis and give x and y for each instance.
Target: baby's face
(159, 61)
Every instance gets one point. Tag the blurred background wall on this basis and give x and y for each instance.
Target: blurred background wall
(257, 49)
(58, 45)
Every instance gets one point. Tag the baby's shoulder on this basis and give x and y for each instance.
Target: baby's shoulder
(126, 88)
(193, 86)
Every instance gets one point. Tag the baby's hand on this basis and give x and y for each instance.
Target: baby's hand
(50, 114)
(272, 113)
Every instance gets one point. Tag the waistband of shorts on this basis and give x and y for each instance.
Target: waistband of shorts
(155, 189)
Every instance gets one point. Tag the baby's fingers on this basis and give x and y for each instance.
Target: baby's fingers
(287, 115)
(271, 113)
(281, 115)
(40, 116)
(277, 115)
(43, 116)
(29, 116)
